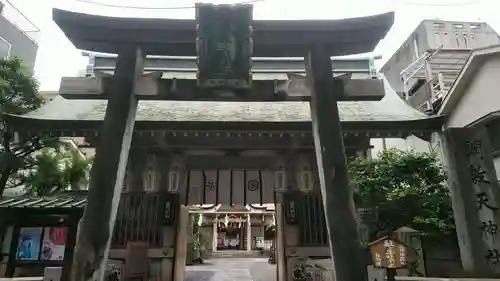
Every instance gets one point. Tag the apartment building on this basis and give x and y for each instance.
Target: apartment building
(447, 68)
(425, 66)
(18, 35)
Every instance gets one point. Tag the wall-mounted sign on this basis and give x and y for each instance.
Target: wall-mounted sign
(28, 243)
(388, 253)
(54, 243)
(224, 46)
(169, 208)
(290, 208)
(41, 243)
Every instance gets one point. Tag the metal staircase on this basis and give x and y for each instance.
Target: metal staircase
(429, 78)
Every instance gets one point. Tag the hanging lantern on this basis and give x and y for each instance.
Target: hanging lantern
(304, 176)
(226, 221)
(149, 180)
(280, 180)
(174, 175)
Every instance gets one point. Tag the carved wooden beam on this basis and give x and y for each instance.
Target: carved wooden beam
(298, 88)
(152, 87)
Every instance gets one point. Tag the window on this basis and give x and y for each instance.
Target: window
(475, 26)
(41, 243)
(438, 24)
(458, 25)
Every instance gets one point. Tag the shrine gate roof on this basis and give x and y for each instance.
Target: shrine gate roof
(388, 113)
(177, 37)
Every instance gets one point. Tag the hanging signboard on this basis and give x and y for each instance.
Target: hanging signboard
(224, 46)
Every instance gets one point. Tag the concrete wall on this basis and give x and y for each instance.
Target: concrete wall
(460, 35)
(480, 96)
(479, 100)
(414, 46)
(21, 45)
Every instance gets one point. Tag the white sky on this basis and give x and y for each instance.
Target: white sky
(57, 57)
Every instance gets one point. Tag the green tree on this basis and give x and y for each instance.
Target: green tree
(403, 188)
(56, 170)
(18, 88)
(18, 95)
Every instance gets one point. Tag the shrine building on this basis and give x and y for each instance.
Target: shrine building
(242, 157)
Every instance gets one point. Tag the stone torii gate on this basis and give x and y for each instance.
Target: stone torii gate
(133, 39)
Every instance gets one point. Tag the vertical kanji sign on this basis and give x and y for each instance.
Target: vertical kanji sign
(476, 198)
(484, 182)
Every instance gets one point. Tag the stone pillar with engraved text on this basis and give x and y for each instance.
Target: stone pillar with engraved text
(476, 197)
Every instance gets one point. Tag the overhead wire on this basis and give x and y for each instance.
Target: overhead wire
(92, 2)
(406, 3)
(428, 4)
(403, 2)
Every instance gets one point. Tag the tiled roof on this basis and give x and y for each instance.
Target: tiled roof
(44, 202)
(389, 109)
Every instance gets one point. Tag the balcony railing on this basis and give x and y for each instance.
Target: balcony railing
(18, 19)
(429, 93)
(419, 99)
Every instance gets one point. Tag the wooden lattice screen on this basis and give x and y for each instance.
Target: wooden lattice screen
(311, 221)
(140, 217)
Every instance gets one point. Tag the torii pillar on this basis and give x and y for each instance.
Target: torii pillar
(95, 230)
(349, 263)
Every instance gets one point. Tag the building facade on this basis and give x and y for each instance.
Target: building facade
(448, 76)
(236, 228)
(425, 66)
(435, 48)
(18, 35)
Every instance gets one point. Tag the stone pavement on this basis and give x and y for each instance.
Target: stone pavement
(232, 269)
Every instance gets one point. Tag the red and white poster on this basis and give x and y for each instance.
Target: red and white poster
(54, 243)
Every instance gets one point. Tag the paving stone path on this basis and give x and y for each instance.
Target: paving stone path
(232, 269)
